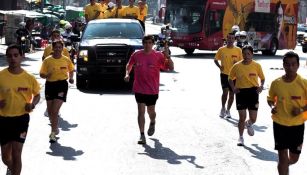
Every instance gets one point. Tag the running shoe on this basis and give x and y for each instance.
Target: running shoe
(52, 137)
(151, 129)
(142, 140)
(8, 172)
(240, 141)
(250, 129)
(227, 114)
(222, 113)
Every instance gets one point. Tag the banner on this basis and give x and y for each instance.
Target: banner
(262, 6)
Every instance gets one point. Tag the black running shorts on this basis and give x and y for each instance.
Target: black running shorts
(289, 137)
(225, 82)
(14, 128)
(56, 90)
(247, 98)
(149, 100)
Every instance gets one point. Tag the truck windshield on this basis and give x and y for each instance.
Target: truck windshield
(185, 16)
(113, 30)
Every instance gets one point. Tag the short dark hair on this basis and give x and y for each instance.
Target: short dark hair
(57, 41)
(291, 54)
(248, 47)
(13, 46)
(148, 37)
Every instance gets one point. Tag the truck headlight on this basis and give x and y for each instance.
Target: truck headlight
(83, 54)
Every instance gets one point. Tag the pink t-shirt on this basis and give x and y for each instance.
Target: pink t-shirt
(146, 71)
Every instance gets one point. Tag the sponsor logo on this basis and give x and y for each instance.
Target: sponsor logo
(252, 74)
(22, 89)
(296, 97)
(63, 68)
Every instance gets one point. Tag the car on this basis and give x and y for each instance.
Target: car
(301, 31)
(105, 48)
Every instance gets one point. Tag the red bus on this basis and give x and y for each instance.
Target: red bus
(203, 24)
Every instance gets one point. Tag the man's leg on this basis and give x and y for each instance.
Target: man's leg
(6, 152)
(241, 124)
(230, 100)
(152, 115)
(283, 162)
(16, 154)
(224, 97)
(141, 116)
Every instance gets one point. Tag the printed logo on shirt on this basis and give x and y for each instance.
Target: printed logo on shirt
(252, 74)
(296, 97)
(22, 89)
(234, 56)
(63, 68)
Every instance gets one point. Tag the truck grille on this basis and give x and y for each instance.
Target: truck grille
(113, 54)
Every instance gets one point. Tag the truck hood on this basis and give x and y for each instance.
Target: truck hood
(93, 42)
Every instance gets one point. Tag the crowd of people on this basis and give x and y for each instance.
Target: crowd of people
(107, 9)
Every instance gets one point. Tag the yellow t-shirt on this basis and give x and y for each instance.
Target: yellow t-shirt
(143, 13)
(17, 90)
(91, 10)
(108, 14)
(246, 75)
(48, 51)
(228, 57)
(120, 14)
(59, 68)
(132, 11)
(287, 95)
(103, 9)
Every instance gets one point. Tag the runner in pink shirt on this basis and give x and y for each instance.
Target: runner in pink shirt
(147, 64)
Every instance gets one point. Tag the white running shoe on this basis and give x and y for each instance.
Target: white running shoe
(250, 129)
(52, 137)
(240, 141)
(222, 113)
(227, 114)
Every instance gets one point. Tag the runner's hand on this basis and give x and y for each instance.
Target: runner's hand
(296, 111)
(29, 107)
(127, 78)
(71, 81)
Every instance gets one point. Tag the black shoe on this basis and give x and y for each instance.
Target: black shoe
(151, 129)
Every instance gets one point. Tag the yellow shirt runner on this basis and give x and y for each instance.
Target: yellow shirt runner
(287, 95)
(58, 68)
(228, 57)
(246, 76)
(17, 90)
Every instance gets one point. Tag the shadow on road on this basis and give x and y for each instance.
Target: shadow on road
(164, 153)
(65, 125)
(68, 153)
(261, 153)
(235, 122)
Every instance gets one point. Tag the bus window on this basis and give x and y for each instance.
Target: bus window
(214, 21)
(262, 22)
(185, 18)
